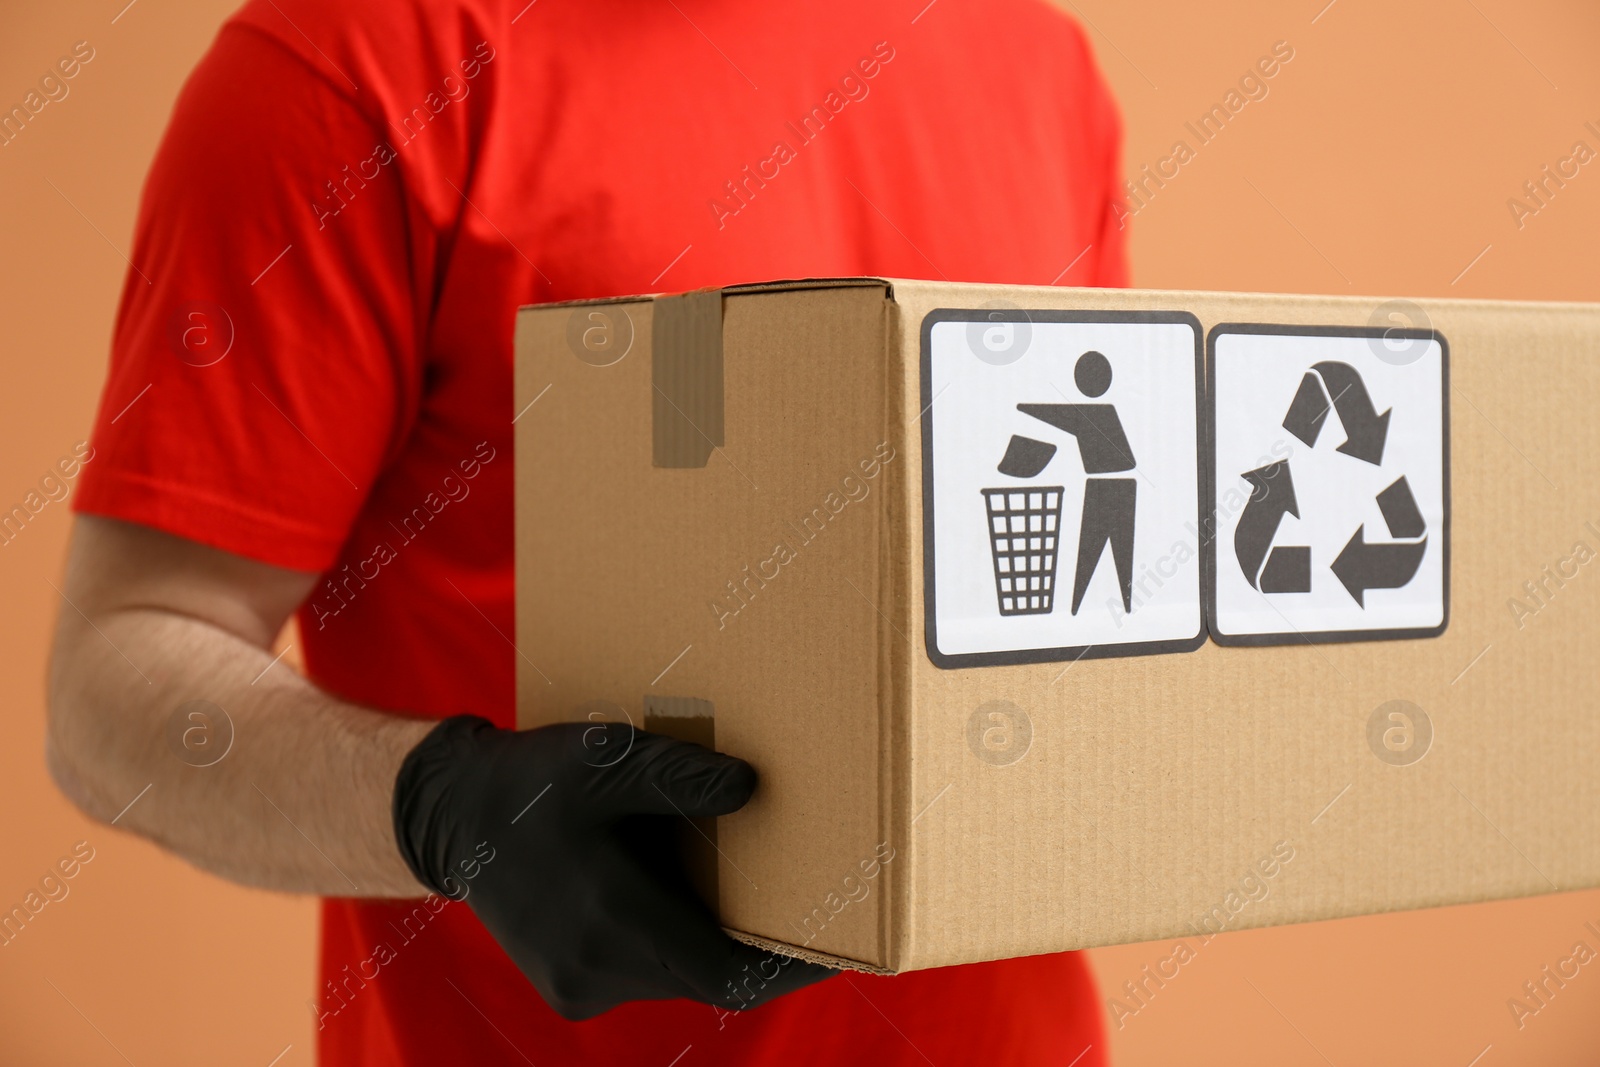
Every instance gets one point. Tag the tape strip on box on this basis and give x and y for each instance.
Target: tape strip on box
(686, 372)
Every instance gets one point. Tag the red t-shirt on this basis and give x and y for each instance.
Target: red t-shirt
(312, 359)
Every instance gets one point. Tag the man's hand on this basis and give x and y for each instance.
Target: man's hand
(548, 837)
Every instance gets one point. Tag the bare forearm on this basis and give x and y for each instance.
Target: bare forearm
(298, 801)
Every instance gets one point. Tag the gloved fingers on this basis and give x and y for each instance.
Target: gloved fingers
(577, 1005)
(597, 953)
(737, 976)
(761, 975)
(660, 775)
(712, 967)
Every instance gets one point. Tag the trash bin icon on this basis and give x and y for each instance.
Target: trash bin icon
(1023, 527)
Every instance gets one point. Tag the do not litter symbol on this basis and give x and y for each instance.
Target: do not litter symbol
(1062, 500)
(1330, 387)
(1024, 567)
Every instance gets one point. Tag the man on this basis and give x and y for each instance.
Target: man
(313, 357)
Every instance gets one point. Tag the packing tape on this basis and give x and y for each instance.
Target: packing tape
(686, 370)
(691, 719)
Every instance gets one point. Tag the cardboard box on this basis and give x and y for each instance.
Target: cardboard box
(1331, 652)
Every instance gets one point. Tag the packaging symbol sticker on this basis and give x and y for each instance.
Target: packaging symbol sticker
(1331, 484)
(1061, 484)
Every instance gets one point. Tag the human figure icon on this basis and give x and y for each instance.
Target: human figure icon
(1108, 503)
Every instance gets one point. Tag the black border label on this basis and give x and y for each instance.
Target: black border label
(1208, 459)
(1203, 494)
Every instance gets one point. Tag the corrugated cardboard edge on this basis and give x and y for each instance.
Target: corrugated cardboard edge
(1183, 299)
(898, 656)
(1098, 295)
(775, 286)
(783, 948)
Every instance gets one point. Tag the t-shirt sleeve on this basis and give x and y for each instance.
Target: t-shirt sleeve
(265, 359)
(1112, 266)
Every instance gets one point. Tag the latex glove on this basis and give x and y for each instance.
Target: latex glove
(581, 885)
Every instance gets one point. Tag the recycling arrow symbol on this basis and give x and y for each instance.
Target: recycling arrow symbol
(1339, 386)
(1362, 564)
(1286, 568)
(1367, 565)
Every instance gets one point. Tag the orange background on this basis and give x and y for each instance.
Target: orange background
(1380, 162)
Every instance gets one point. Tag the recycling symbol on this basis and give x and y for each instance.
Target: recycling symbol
(1363, 564)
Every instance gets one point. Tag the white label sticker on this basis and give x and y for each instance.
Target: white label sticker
(1331, 484)
(1060, 485)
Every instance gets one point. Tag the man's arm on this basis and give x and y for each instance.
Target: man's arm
(313, 793)
(301, 802)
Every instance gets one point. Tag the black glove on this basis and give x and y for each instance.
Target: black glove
(563, 848)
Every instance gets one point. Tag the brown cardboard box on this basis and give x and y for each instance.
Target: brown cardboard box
(762, 517)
